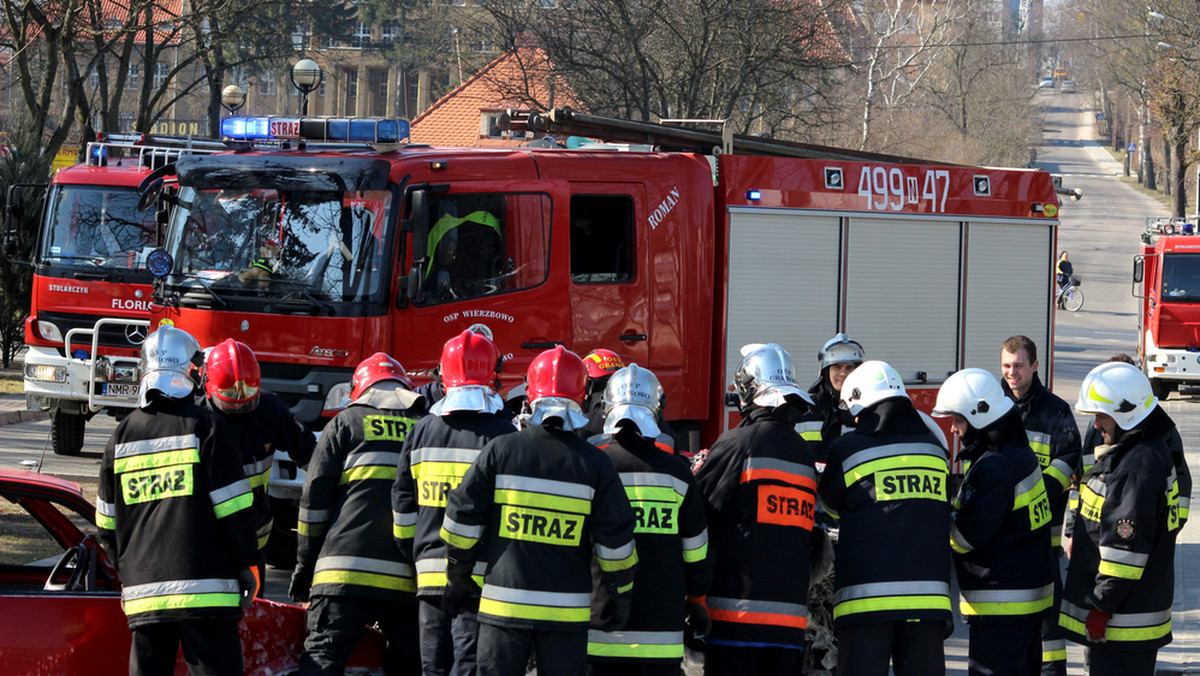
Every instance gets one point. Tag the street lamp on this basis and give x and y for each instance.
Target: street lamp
(233, 97)
(306, 77)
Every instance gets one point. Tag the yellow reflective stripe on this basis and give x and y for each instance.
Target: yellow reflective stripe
(879, 604)
(367, 472)
(458, 541)
(811, 436)
(1116, 634)
(1005, 607)
(1054, 655)
(262, 540)
(610, 565)
(377, 580)
(261, 479)
(531, 612)
(187, 456)
(636, 644)
(427, 580)
(1120, 570)
(625, 589)
(312, 530)
(178, 601)
(894, 462)
(233, 505)
(1054, 472)
(106, 522)
(404, 532)
(1042, 451)
(440, 469)
(1091, 504)
(653, 494)
(519, 498)
(695, 555)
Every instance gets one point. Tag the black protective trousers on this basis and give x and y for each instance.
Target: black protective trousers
(912, 648)
(210, 648)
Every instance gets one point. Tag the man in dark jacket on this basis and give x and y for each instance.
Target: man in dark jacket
(542, 502)
(347, 562)
(671, 537)
(1054, 437)
(1000, 531)
(433, 461)
(886, 483)
(1120, 580)
(760, 484)
(175, 514)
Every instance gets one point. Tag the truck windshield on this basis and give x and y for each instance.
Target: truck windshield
(301, 244)
(96, 227)
(1181, 278)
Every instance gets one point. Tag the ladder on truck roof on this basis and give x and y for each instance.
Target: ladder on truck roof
(565, 121)
(149, 150)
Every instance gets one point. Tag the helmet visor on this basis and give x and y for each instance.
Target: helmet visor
(638, 414)
(771, 396)
(567, 410)
(169, 382)
(476, 398)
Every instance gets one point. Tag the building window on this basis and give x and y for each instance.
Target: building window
(94, 81)
(481, 42)
(301, 36)
(391, 33)
(321, 89)
(125, 121)
(413, 92)
(352, 85)
(161, 72)
(131, 80)
(267, 85)
(489, 127)
(381, 83)
(362, 34)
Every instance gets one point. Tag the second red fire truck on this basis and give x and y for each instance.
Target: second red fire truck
(1166, 279)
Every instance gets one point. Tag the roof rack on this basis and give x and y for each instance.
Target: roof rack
(565, 121)
(149, 151)
(1172, 225)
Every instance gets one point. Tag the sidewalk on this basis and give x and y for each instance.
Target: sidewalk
(12, 410)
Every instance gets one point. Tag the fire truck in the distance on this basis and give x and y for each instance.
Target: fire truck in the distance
(1166, 280)
(91, 291)
(673, 252)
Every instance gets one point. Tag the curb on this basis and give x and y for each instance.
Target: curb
(11, 417)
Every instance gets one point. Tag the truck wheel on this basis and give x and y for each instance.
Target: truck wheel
(1160, 388)
(66, 432)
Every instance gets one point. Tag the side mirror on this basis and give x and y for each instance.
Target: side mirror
(12, 246)
(150, 193)
(419, 221)
(1139, 270)
(416, 282)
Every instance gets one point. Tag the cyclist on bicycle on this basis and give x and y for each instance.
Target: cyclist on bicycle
(1063, 269)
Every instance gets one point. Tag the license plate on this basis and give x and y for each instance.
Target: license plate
(123, 390)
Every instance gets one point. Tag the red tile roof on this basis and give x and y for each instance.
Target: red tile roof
(522, 78)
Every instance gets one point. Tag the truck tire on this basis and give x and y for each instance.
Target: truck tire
(66, 432)
(1161, 388)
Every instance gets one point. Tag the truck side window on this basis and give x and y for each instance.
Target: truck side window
(601, 239)
(1181, 278)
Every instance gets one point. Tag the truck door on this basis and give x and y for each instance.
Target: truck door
(609, 272)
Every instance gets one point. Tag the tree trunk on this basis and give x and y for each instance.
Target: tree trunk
(1179, 172)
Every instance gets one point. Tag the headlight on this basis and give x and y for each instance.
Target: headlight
(338, 397)
(46, 373)
(48, 331)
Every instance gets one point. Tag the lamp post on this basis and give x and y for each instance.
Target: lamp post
(233, 98)
(306, 77)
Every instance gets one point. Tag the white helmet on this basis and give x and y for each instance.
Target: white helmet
(633, 393)
(1121, 390)
(869, 384)
(766, 376)
(976, 395)
(840, 350)
(167, 359)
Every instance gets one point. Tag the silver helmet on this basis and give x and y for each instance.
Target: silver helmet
(168, 358)
(633, 393)
(766, 376)
(841, 350)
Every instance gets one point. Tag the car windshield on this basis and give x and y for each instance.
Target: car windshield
(302, 244)
(96, 227)
(1181, 278)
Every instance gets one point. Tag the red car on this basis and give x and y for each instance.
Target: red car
(60, 601)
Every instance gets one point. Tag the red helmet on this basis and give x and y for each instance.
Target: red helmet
(602, 362)
(469, 359)
(232, 377)
(376, 368)
(556, 373)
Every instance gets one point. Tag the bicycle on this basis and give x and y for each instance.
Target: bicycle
(1070, 298)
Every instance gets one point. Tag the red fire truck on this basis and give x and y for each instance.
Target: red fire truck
(1166, 279)
(91, 292)
(673, 257)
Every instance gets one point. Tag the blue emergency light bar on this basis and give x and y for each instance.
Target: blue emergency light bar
(356, 130)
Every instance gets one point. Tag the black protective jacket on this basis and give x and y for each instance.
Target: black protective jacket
(345, 524)
(760, 485)
(271, 426)
(1001, 527)
(432, 463)
(886, 482)
(1054, 437)
(825, 420)
(672, 544)
(1123, 550)
(544, 502)
(175, 513)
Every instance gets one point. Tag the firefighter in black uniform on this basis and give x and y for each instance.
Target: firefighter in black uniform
(886, 483)
(347, 561)
(1054, 437)
(671, 537)
(825, 420)
(433, 461)
(1120, 579)
(261, 422)
(601, 364)
(1000, 531)
(761, 486)
(175, 513)
(542, 502)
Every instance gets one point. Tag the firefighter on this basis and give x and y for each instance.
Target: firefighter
(261, 421)
(826, 419)
(542, 502)
(1000, 530)
(1120, 579)
(435, 456)
(886, 484)
(760, 484)
(1054, 437)
(601, 364)
(671, 537)
(347, 562)
(175, 513)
